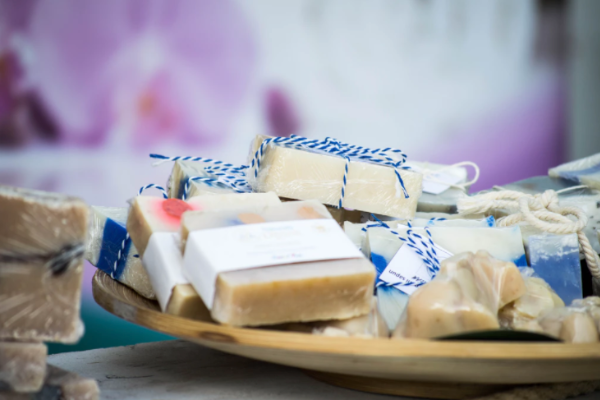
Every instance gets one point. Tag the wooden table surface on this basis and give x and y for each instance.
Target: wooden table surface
(178, 370)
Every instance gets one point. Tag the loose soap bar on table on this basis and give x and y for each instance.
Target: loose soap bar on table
(42, 242)
(22, 366)
(584, 171)
(306, 175)
(183, 171)
(465, 296)
(280, 286)
(59, 385)
(153, 214)
(110, 250)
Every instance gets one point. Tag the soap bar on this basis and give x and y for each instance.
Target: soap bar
(584, 171)
(305, 175)
(152, 214)
(341, 215)
(370, 325)
(277, 290)
(555, 258)
(110, 250)
(42, 242)
(539, 299)
(437, 215)
(60, 385)
(22, 366)
(444, 202)
(570, 324)
(465, 296)
(164, 263)
(502, 243)
(183, 170)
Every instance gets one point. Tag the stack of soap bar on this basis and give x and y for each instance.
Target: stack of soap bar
(151, 224)
(306, 175)
(585, 171)
(370, 325)
(59, 385)
(110, 250)
(22, 366)
(152, 214)
(275, 291)
(465, 296)
(183, 171)
(538, 300)
(555, 258)
(42, 242)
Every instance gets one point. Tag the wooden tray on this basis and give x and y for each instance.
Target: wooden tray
(421, 368)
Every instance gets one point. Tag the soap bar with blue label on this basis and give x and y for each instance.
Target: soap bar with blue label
(555, 258)
(585, 171)
(42, 242)
(110, 249)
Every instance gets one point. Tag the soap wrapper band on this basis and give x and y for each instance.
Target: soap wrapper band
(213, 251)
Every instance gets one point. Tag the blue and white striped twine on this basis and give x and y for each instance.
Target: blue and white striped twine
(336, 148)
(224, 174)
(423, 246)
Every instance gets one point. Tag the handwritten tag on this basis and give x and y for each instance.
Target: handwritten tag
(407, 266)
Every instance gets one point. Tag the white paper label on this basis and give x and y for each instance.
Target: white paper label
(210, 252)
(409, 266)
(436, 183)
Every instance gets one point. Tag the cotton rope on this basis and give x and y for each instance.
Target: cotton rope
(541, 211)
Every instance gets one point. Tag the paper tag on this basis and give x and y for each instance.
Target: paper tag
(436, 183)
(409, 266)
(210, 252)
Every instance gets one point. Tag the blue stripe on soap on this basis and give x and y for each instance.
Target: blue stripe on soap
(521, 261)
(379, 262)
(112, 239)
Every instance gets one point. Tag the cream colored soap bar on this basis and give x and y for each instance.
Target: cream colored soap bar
(288, 292)
(22, 366)
(183, 171)
(304, 175)
(153, 214)
(42, 242)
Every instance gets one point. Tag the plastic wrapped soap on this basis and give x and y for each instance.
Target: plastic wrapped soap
(182, 171)
(465, 296)
(591, 305)
(370, 325)
(555, 258)
(584, 171)
(304, 175)
(300, 265)
(539, 299)
(42, 242)
(22, 366)
(60, 385)
(152, 214)
(164, 263)
(110, 250)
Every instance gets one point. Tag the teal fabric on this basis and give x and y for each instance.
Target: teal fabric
(103, 329)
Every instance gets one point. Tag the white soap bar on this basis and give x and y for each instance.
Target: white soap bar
(305, 175)
(109, 249)
(585, 171)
